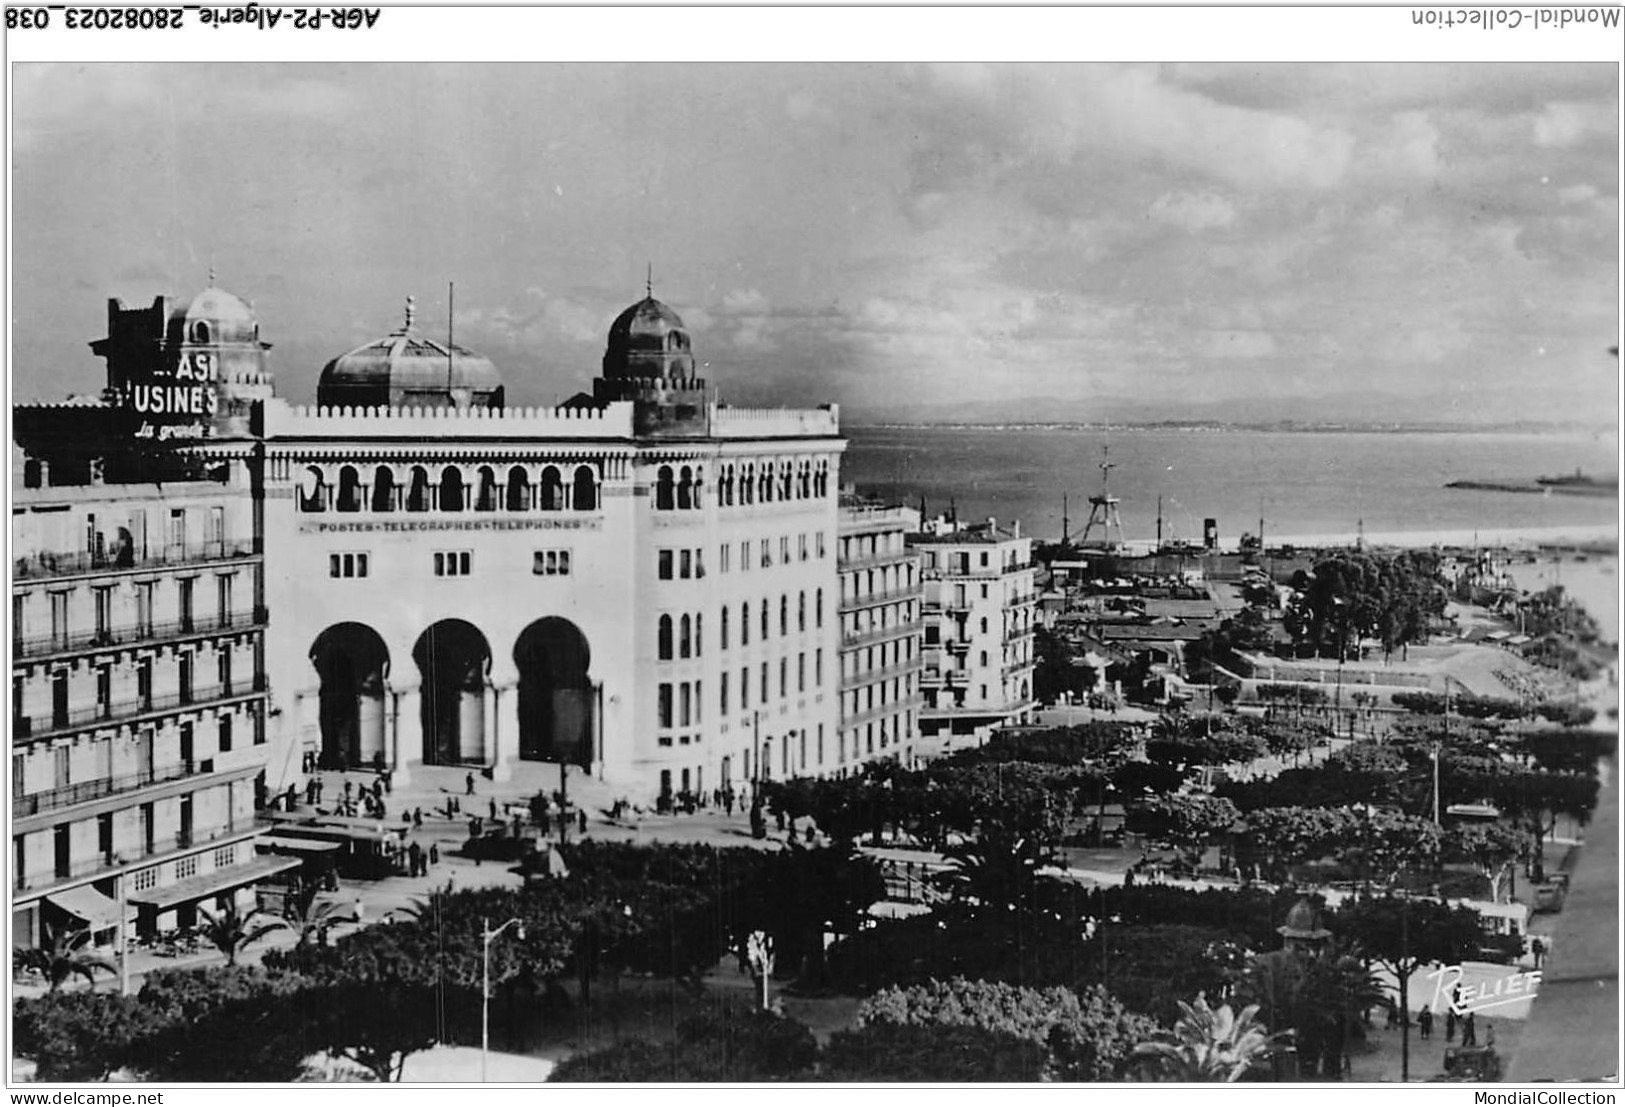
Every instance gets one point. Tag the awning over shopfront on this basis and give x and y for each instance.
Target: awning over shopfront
(276, 844)
(213, 884)
(88, 904)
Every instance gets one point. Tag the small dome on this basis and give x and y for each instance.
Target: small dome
(647, 340)
(1303, 922)
(215, 316)
(405, 369)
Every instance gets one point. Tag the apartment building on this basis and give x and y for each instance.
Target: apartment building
(138, 701)
(881, 632)
(979, 611)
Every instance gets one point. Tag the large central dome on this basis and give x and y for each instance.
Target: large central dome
(648, 341)
(405, 369)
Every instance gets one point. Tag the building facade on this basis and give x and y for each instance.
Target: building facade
(979, 607)
(882, 633)
(641, 581)
(139, 742)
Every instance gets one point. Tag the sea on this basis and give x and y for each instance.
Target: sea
(1297, 484)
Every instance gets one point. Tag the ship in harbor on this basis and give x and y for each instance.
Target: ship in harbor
(1570, 484)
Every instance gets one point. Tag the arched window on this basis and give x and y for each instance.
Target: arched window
(765, 486)
(552, 490)
(485, 498)
(200, 332)
(312, 490)
(784, 616)
(784, 480)
(699, 635)
(744, 623)
(417, 496)
(664, 492)
(664, 643)
(349, 497)
(821, 481)
(685, 489)
(725, 487)
(584, 490)
(801, 613)
(747, 486)
(765, 608)
(451, 489)
(685, 640)
(383, 489)
(699, 487)
(805, 489)
(518, 489)
(818, 609)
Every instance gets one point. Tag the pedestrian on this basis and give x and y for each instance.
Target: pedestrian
(1489, 1035)
(434, 853)
(1391, 1020)
(493, 809)
(1469, 1031)
(1424, 1022)
(360, 911)
(417, 817)
(415, 852)
(389, 781)
(468, 784)
(581, 820)
(348, 787)
(1538, 948)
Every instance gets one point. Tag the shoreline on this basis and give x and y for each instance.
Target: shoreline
(1602, 539)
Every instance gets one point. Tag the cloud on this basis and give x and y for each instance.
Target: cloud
(1567, 123)
(1576, 194)
(1193, 211)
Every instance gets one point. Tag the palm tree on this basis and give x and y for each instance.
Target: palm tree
(1207, 1045)
(64, 956)
(998, 869)
(312, 920)
(231, 931)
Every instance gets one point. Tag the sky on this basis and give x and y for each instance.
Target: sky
(1093, 242)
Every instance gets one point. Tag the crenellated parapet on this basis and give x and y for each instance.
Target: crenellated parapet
(775, 422)
(283, 420)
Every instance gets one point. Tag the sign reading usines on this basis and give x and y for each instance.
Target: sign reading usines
(406, 526)
(178, 402)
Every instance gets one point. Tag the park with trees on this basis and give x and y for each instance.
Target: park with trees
(1009, 967)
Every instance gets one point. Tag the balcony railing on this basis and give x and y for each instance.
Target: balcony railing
(130, 854)
(875, 561)
(85, 718)
(150, 633)
(871, 676)
(63, 563)
(882, 634)
(875, 599)
(72, 794)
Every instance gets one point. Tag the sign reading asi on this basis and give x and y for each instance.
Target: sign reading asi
(178, 403)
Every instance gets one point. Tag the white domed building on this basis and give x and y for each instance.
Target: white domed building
(641, 581)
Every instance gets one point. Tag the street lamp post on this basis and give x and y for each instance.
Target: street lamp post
(487, 936)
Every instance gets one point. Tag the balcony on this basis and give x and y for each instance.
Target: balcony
(958, 645)
(875, 599)
(131, 855)
(69, 796)
(127, 711)
(40, 646)
(51, 564)
(882, 634)
(871, 676)
(875, 561)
